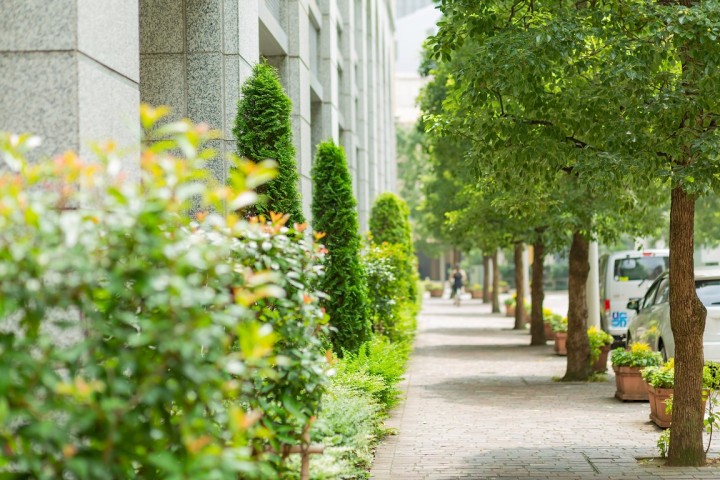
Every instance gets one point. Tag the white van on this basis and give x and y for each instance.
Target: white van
(626, 275)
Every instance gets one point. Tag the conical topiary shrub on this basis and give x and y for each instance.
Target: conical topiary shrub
(390, 222)
(335, 214)
(263, 130)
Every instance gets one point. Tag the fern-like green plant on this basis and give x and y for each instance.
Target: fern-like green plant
(335, 214)
(263, 130)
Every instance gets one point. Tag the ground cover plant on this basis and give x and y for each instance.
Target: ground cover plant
(360, 396)
(137, 342)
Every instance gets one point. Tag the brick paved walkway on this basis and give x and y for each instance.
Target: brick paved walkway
(481, 404)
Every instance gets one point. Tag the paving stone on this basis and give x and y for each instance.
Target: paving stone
(482, 404)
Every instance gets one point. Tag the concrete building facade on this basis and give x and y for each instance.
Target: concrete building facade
(75, 71)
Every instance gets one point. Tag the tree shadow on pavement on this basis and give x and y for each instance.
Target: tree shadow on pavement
(478, 315)
(464, 332)
(533, 392)
(485, 352)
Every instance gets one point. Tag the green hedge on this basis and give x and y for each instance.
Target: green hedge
(391, 284)
(288, 394)
(137, 342)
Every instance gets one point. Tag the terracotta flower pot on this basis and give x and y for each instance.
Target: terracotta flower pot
(629, 384)
(437, 293)
(509, 310)
(561, 343)
(657, 398)
(476, 294)
(600, 365)
(549, 334)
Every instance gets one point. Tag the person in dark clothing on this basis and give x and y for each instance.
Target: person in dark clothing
(457, 279)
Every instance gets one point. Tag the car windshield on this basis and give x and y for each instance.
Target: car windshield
(708, 291)
(639, 268)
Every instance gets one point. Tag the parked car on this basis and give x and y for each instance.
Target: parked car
(625, 275)
(652, 322)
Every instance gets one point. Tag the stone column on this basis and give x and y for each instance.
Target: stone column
(381, 98)
(296, 73)
(70, 73)
(372, 99)
(362, 154)
(328, 71)
(194, 56)
(390, 112)
(348, 88)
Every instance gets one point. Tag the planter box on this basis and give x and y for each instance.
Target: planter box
(509, 310)
(549, 334)
(476, 294)
(561, 343)
(436, 293)
(657, 397)
(629, 384)
(600, 365)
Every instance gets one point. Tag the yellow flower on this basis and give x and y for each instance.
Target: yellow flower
(639, 347)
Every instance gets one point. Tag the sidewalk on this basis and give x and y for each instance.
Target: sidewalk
(481, 404)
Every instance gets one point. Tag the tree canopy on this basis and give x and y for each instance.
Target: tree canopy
(620, 96)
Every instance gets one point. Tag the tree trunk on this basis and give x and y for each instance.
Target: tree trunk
(486, 278)
(520, 315)
(496, 283)
(687, 319)
(537, 295)
(578, 346)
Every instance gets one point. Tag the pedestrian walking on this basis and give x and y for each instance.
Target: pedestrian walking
(458, 279)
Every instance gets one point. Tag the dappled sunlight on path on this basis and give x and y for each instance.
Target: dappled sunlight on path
(482, 404)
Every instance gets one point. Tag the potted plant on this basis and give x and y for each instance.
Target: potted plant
(547, 323)
(600, 342)
(510, 304)
(627, 364)
(504, 286)
(476, 291)
(660, 383)
(435, 288)
(560, 326)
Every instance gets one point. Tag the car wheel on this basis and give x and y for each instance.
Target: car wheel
(663, 351)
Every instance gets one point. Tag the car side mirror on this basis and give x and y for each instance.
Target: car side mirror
(634, 304)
